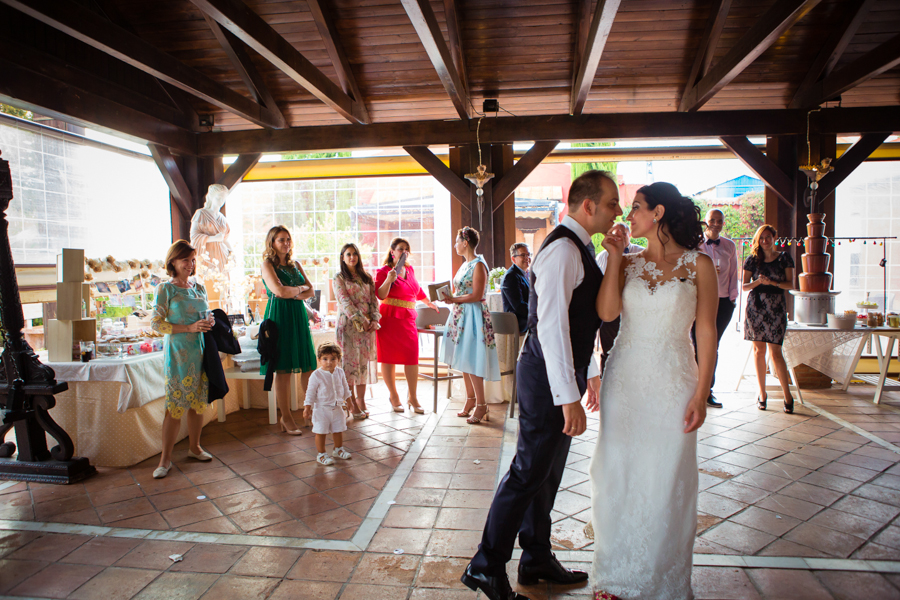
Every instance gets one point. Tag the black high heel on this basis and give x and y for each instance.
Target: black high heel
(761, 402)
(789, 408)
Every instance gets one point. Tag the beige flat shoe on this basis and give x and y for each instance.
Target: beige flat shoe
(204, 456)
(161, 472)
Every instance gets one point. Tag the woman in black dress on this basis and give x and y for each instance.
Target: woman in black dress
(767, 274)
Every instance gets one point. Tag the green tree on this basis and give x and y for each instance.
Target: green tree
(16, 112)
(306, 155)
(745, 220)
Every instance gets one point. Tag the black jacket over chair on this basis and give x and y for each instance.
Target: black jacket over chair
(515, 290)
(218, 339)
(268, 349)
(525, 497)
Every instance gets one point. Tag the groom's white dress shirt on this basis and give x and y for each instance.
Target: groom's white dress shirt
(558, 270)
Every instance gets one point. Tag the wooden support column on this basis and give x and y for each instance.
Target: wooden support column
(460, 211)
(188, 179)
(789, 219)
(503, 207)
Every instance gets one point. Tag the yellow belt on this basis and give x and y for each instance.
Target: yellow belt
(400, 303)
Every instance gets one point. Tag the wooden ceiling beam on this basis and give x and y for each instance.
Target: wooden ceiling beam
(92, 29)
(458, 187)
(765, 32)
(250, 28)
(601, 24)
(831, 52)
(774, 178)
(874, 63)
(247, 71)
(330, 36)
(849, 160)
(554, 127)
(68, 95)
(707, 49)
(425, 23)
(504, 188)
(238, 169)
(454, 34)
(178, 187)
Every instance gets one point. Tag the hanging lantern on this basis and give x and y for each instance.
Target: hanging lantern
(480, 176)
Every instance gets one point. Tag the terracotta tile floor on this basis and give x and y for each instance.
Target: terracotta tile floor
(776, 490)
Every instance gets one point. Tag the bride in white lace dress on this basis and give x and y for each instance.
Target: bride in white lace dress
(652, 401)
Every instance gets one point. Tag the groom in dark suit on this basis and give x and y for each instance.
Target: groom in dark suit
(555, 369)
(515, 286)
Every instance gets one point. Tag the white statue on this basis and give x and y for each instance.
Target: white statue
(209, 229)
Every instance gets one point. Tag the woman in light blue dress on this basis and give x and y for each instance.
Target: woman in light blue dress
(181, 314)
(469, 344)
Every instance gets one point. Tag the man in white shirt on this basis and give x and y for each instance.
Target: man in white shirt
(724, 255)
(555, 369)
(609, 330)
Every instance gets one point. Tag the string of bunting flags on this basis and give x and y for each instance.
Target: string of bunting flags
(785, 242)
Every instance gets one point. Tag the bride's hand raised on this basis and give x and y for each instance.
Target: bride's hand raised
(614, 242)
(695, 414)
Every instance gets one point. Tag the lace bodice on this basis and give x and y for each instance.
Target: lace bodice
(657, 304)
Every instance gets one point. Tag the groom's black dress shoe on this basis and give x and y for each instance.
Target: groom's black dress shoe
(711, 401)
(495, 588)
(550, 571)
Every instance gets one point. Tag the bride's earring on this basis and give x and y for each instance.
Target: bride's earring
(654, 220)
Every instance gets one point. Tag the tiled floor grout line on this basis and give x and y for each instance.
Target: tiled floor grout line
(358, 543)
(385, 499)
(854, 428)
(8, 484)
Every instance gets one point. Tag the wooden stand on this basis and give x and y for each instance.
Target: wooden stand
(72, 293)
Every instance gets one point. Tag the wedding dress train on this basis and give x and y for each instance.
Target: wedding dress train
(644, 470)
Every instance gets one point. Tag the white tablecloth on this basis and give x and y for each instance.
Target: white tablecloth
(142, 377)
(833, 352)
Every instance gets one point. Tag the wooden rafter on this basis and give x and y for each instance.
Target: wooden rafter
(239, 169)
(778, 19)
(425, 23)
(554, 127)
(454, 35)
(764, 168)
(247, 71)
(55, 90)
(504, 188)
(849, 160)
(458, 188)
(874, 63)
(178, 188)
(601, 24)
(179, 98)
(250, 28)
(714, 26)
(92, 29)
(831, 52)
(329, 33)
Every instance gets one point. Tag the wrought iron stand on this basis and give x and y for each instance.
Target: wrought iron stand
(27, 386)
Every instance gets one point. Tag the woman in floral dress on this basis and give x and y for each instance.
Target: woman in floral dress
(469, 344)
(357, 322)
(180, 306)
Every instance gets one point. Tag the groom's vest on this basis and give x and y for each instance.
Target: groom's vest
(583, 319)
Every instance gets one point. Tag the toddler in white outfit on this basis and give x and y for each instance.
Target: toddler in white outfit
(326, 393)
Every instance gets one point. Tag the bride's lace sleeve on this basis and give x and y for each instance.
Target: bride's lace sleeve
(158, 322)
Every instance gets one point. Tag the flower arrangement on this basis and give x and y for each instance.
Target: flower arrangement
(495, 276)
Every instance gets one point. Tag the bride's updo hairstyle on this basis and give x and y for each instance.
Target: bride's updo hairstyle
(681, 218)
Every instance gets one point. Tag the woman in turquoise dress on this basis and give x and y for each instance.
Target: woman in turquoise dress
(287, 286)
(469, 344)
(181, 313)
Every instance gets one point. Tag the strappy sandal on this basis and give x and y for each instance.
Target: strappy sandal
(464, 412)
(761, 401)
(789, 408)
(473, 420)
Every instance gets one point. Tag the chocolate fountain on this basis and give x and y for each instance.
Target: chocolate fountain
(814, 300)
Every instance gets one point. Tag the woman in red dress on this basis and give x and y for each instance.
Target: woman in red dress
(397, 340)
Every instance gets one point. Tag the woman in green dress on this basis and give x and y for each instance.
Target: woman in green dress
(287, 286)
(181, 313)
